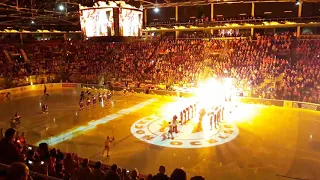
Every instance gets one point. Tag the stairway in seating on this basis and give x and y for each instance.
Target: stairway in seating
(7, 55)
(24, 54)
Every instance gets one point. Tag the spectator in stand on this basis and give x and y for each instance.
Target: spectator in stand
(197, 178)
(45, 164)
(59, 162)
(119, 171)
(9, 152)
(134, 174)
(85, 170)
(44, 153)
(178, 174)
(22, 139)
(1, 133)
(161, 175)
(60, 155)
(18, 171)
(112, 173)
(53, 153)
(124, 174)
(97, 173)
(70, 164)
(31, 159)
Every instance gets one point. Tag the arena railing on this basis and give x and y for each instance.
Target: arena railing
(249, 20)
(31, 173)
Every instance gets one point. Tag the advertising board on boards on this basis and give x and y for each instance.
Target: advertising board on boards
(309, 106)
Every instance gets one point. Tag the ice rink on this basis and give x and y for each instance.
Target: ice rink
(256, 142)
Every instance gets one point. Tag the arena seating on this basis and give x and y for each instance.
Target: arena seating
(54, 164)
(269, 66)
(266, 66)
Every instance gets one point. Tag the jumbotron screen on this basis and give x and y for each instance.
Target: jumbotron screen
(112, 18)
(130, 22)
(97, 22)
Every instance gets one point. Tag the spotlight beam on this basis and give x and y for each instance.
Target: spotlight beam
(91, 125)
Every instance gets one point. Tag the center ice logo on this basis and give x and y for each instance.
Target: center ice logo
(154, 130)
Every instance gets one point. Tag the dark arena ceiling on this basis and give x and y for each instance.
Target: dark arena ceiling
(63, 14)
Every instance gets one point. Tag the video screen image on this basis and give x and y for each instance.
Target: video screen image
(130, 22)
(97, 22)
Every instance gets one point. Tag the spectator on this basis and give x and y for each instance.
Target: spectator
(44, 153)
(30, 160)
(197, 178)
(22, 139)
(85, 170)
(178, 174)
(53, 153)
(134, 174)
(9, 152)
(45, 164)
(1, 133)
(97, 173)
(18, 171)
(119, 170)
(59, 162)
(161, 175)
(69, 164)
(60, 155)
(124, 174)
(112, 174)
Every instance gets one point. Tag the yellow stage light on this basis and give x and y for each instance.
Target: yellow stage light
(210, 93)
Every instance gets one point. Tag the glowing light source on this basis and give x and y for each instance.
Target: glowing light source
(156, 10)
(169, 110)
(61, 7)
(210, 93)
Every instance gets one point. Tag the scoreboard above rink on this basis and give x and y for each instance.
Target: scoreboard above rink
(115, 18)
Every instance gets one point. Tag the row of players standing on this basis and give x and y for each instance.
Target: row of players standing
(101, 97)
(215, 115)
(185, 115)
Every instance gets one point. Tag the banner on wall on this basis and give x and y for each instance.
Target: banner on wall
(69, 85)
(94, 86)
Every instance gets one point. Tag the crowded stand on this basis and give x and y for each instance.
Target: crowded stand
(254, 63)
(264, 66)
(43, 162)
